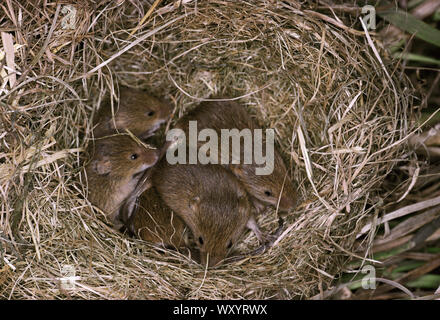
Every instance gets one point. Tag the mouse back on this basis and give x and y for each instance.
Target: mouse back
(153, 221)
(275, 189)
(210, 200)
(218, 115)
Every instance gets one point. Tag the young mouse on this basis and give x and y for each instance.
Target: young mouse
(210, 200)
(137, 111)
(153, 221)
(116, 164)
(274, 189)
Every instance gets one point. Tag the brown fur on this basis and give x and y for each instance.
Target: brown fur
(153, 221)
(111, 173)
(228, 115)
(210, 200)
(137, 111)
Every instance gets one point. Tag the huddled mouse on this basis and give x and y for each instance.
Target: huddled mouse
(203, 206)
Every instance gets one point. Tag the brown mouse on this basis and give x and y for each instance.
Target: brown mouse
(116, 164)
(275, 189)
(210, 200)
(138, 111)
(153, 221)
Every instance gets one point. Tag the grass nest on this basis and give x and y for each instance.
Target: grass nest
(340, 108)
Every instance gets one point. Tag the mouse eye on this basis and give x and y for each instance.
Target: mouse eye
(229, 245)
(201, 240)
(268, 193)
(134, 156)
(150, 113)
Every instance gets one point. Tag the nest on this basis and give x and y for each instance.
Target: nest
(340, 110)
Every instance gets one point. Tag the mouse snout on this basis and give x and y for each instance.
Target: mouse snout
(288, 202)
(155, 125)
(149, 159)
(211, 259)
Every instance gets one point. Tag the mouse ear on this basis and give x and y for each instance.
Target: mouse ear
(194, 203)
(102, 167)
(236, 169)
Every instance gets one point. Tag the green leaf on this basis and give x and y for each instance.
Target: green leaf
(381, 256)
(433, 249)
(427, 281)
(411, 24)
(396, 46)
(355, 279)
(434, 120)
(407, 266)
(436, 16)
(416, 58)
(355, 285)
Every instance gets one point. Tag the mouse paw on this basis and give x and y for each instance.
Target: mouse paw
(263, 238)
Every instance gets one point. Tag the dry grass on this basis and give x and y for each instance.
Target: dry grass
(341, 116)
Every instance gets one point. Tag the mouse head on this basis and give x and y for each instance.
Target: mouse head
(114, 171)
(138, 111)
(270, 188)
(121, 157)
(141, 112)
(217, 222)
